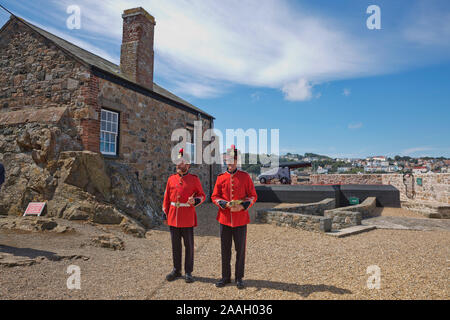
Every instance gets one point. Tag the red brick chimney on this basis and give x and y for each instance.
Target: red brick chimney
(137, 55)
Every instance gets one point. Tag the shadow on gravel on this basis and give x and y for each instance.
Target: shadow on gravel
(26, 252)
(303, 290)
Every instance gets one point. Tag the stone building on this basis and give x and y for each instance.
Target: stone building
(57, 98)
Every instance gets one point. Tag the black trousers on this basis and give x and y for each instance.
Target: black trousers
(227, 235)
(188, 238)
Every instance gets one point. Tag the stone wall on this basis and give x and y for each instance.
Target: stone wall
(37, 75)
(346, 179)
(315, 209)
(145, 133)
(435, 186)
(322, 216)
(294, 220)
(352, 215)
(367, 208)
(308, 216)
(341, 219)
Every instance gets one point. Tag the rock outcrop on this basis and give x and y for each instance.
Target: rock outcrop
(108, 241)
(33, 224)
(44, 163)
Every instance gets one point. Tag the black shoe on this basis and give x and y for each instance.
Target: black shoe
(173, 275)
(240, 284)
(222, 283)
(189, 278)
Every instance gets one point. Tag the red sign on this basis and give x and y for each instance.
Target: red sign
(34, 209)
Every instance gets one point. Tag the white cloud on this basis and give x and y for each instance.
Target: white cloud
(300, 90)
(355, 125)
(264, 43)
(346, 92)
(197, 89)
(257, 43)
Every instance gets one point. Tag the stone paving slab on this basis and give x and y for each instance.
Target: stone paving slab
(406, 223)
(350, 231)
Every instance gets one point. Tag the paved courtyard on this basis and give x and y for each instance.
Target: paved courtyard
(281, 263)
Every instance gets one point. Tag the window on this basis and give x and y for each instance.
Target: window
(109, 130)
(190, 144)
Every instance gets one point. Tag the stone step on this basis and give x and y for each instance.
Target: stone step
(436, 210)
(350, 231)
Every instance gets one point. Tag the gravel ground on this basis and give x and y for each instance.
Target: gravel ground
(282, 263)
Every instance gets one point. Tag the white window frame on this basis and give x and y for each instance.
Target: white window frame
(191, 146)
(109, 131)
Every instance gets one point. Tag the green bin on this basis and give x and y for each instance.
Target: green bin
(353, 200)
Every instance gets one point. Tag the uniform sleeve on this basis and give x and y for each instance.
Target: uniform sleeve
(166, 202)
(199, 196)
(251, 198)
(217, 197)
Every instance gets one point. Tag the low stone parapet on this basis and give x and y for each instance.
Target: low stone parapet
(315, 209)
(296, 220)
(434, 210)
(343, 219)
(367, 208)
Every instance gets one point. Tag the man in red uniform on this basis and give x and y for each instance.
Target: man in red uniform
(234, 193)
(183, 193)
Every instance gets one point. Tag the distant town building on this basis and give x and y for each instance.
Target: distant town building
(321, 170)
(422, 169)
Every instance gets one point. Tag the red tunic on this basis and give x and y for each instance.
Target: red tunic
(178, 190)
(236, 186)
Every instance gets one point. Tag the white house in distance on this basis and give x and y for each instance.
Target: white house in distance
(418, 170)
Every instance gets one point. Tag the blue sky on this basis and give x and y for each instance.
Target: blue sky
(311, 69)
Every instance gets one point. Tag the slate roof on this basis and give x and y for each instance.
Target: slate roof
(98, 62)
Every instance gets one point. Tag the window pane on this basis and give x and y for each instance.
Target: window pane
(109, 128)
